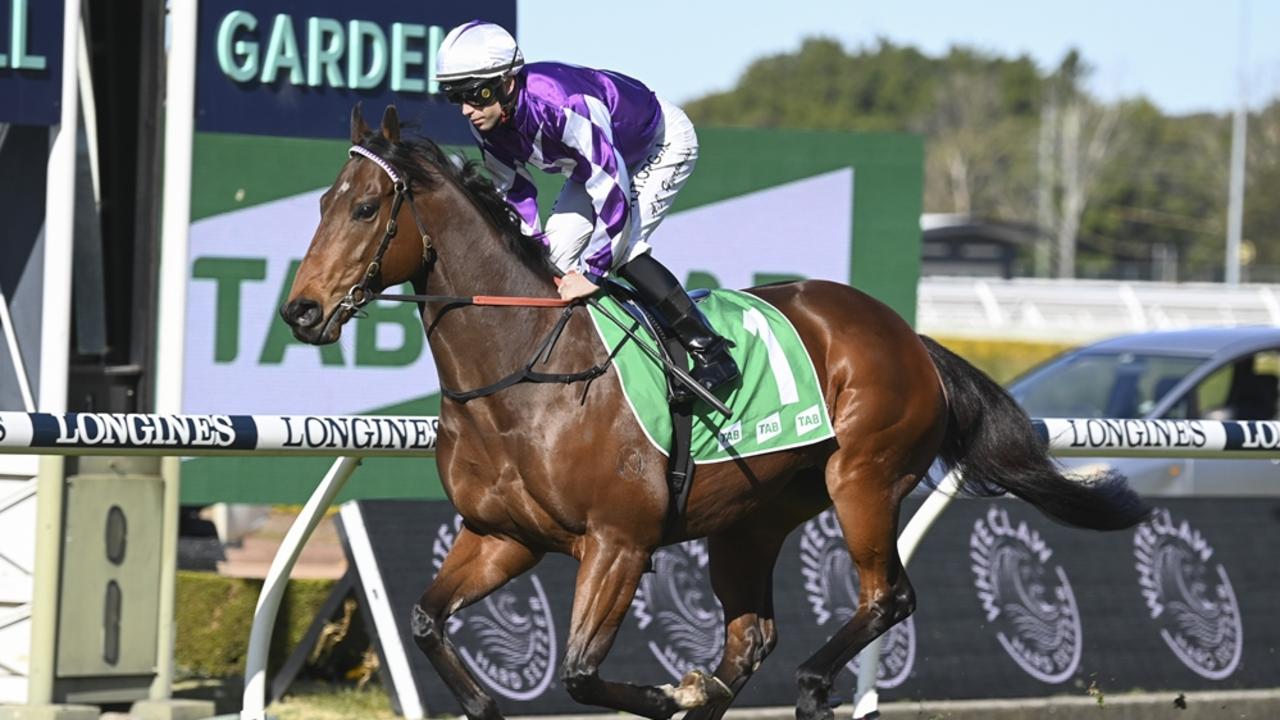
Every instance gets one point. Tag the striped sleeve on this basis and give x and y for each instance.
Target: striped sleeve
(598, 165)
(512, 179)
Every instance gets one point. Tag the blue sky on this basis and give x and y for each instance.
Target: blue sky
(1183, 54)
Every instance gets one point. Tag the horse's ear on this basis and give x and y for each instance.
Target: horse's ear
(358, 126)
(391, 124)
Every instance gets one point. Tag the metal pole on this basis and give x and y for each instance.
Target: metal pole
(44, 586)
(15, 356)
(1239, 139)
(175, 220)
(55, 348)
(1235, 202)
(90, 107)
(277, 580)
(166, 598)
(1046, 162)
(175, 223)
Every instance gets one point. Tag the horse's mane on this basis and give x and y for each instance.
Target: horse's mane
(414, 157)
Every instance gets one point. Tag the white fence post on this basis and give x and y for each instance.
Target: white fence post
(264, 616)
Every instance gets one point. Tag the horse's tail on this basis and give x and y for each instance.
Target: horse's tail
(991, 442)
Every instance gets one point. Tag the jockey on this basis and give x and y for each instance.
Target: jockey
(625, 152)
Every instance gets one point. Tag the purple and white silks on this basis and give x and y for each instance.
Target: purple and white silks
(600, 129)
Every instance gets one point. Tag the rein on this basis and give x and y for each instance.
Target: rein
(490, 300)
(361, 293)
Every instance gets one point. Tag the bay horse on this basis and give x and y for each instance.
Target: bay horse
(546, 467)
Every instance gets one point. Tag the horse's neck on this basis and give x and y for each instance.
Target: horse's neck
(473, 256)
(476, 346)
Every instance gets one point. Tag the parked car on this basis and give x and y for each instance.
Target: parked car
(1221, 373)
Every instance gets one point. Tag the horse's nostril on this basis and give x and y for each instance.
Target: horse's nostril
(302, 313)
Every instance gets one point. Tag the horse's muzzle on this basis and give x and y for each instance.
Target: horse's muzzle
(306, 319)
(302, 313)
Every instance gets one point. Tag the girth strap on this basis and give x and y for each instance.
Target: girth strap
(680, 465)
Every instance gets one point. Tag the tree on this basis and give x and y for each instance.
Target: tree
(821, 87)
(1122, 190)
(1261, 220)
(1160, 201)
(1075, 137)
(975, 149)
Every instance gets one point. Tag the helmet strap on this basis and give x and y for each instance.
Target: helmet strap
(507, 100)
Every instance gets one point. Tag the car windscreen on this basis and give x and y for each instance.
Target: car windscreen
(1097, 384)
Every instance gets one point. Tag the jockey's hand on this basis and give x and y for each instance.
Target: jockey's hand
(575, 285)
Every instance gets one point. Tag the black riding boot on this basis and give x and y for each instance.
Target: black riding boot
(654, 283)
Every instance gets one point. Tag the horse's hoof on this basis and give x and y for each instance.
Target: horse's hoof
(697, 689)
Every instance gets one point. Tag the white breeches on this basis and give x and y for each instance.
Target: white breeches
(655, 181)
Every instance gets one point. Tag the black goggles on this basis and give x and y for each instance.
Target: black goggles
(476, 95)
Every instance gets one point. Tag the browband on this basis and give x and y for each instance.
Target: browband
(386, 166)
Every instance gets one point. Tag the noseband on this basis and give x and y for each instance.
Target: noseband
(362, 293)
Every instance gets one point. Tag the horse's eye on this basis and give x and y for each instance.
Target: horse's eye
(364, 211)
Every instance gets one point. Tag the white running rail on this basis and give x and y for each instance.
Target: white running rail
(351, 438)
(1083, 310)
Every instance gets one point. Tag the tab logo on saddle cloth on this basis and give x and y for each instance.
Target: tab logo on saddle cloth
(809, 420)
(730, 436)
(777, 404)
(770, 427)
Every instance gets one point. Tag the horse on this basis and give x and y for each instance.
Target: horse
(541, 467)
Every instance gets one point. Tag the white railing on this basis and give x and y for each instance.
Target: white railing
(355, 437)
(1083, 310)
(196, 435)
(352, 438)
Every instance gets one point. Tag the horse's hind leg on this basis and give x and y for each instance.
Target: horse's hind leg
(867, 508)
(742, 561)
(475, 566)
(607, 580)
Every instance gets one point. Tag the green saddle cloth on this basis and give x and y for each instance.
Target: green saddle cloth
(777, 404)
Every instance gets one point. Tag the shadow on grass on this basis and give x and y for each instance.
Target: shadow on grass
(307, 700)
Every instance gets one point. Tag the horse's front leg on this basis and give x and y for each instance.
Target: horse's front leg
(607, 580)
(475, 566)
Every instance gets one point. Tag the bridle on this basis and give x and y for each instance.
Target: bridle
(362, 293)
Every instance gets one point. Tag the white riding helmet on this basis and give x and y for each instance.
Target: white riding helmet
(477, 50)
